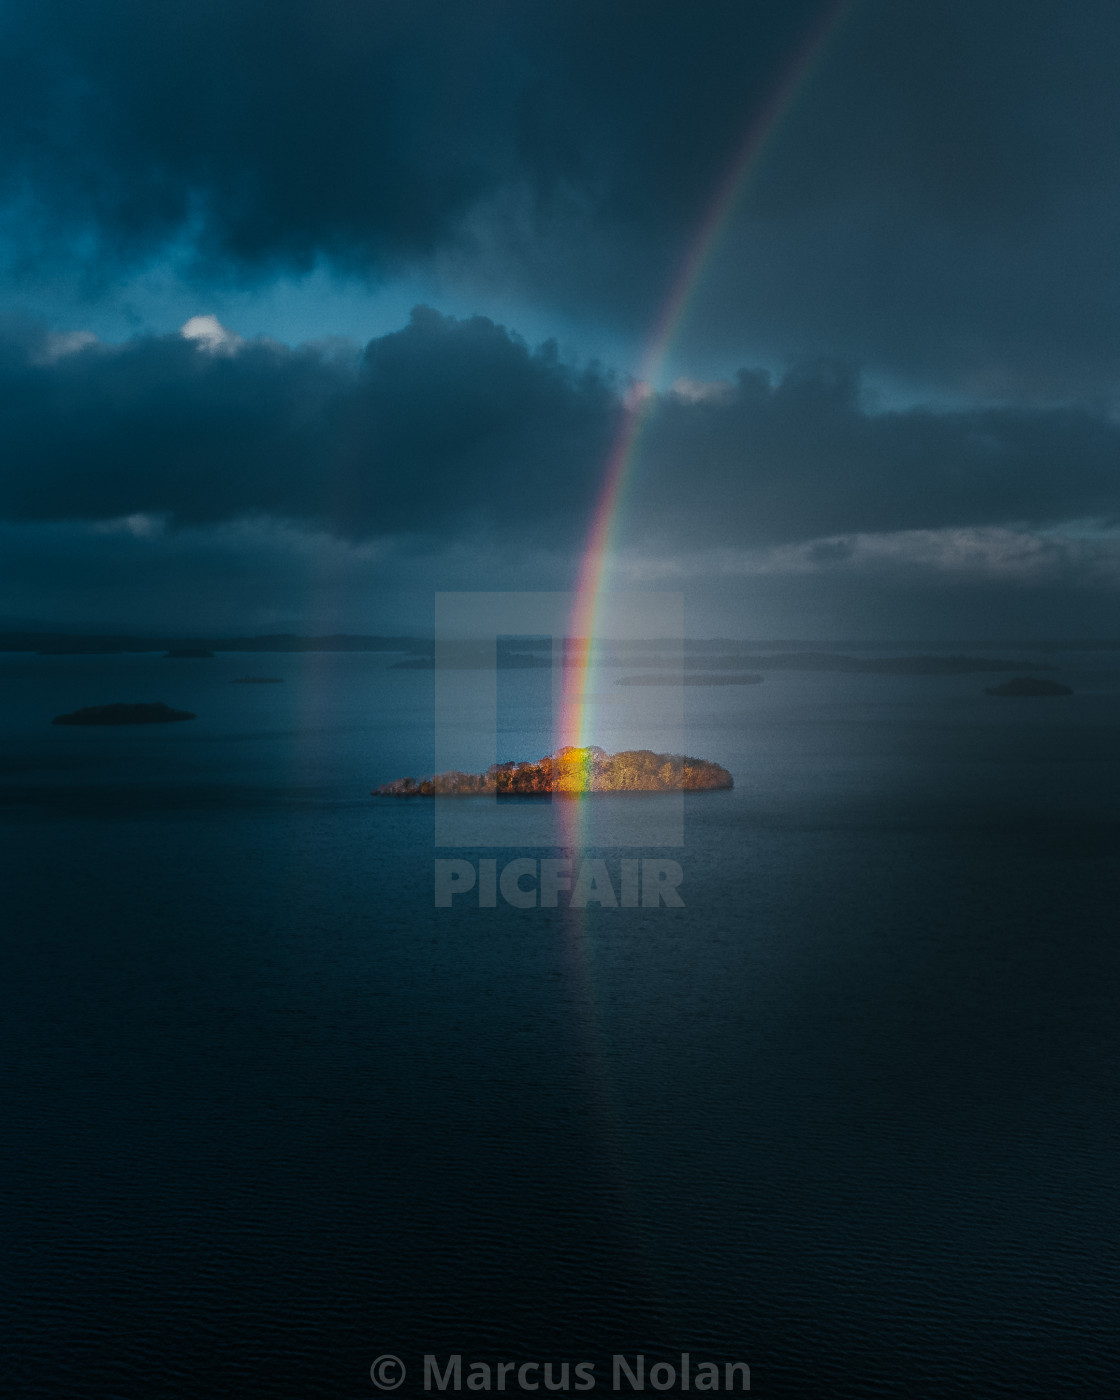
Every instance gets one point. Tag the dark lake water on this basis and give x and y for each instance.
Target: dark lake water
(848, 1116)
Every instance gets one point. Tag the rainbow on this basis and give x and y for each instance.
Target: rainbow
(594, 564)
(592, 575)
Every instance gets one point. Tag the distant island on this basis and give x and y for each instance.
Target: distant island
(711, 654)
(155, 713)
(258, 680)
(572, 770)
(730, 668)
(188, 654)
(693, 678)
(834, 661)
(1028, 686)
(110, 644)
(478, 660)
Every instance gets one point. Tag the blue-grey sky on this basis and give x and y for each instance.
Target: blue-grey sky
(307, 311)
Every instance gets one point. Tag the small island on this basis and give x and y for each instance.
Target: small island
(694, 678)
(258, 680)
(188, 654)
(573, 771)
(1029, 686)
(155, 713)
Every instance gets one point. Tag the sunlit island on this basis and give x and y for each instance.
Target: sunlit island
(572, 770)
(155, 713)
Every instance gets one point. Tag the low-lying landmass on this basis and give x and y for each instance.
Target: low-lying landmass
(918, 665)
(711, 654)
(155, 713)
(103, 644)
(693, 678)
(739, 668)
(572, 770)
(188, 654)
(258, 680)
(1029, 686)
(481, 661)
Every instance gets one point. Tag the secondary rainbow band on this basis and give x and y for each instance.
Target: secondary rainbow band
(596, 555)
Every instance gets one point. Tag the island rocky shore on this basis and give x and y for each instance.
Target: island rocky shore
(572, 770)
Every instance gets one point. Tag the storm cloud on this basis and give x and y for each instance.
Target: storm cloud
(274, 132)
(937, 201)
(452, 426)
(428, 427)
(774, 460)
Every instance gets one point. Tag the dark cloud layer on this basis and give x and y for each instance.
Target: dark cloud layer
(938, 202)
(429, 428)
(451, 426)
(801, 457)
(365, 130)
(278, 130)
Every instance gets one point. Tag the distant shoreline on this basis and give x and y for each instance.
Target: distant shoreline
(418, 652)
(692, 678)
(114, 644)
